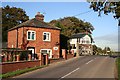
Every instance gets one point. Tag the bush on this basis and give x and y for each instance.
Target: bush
(118, 66)
(24, 55)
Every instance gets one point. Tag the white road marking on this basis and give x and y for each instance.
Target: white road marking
(70, 73)
(89, 61)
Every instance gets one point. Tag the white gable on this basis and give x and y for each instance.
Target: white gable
(84, 40)
(86, 37)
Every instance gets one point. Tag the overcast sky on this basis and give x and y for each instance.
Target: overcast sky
(106, 29)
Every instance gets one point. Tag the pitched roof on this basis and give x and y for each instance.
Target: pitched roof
(34, 23)
(80, 35)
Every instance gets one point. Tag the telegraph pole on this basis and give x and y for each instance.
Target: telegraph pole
(77, 49)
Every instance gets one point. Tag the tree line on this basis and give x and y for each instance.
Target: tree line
(99, 51)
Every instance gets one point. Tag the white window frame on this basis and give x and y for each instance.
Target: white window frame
(31, 35)
(49, 36)
(33, 52)
(50, 55)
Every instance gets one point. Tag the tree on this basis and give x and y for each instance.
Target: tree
(94, 49)
(11, 16)
(97, 50)
(106, 50)
(72, 25)
(69, 26)
(106, 7)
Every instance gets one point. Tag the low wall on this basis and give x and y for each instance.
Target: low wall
(70, 56)
(55, 60)
(13, 66)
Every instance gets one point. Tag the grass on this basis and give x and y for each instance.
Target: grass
(118, 67)
(18, 72)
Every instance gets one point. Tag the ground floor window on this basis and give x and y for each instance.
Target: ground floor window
(46, 51)
(73, 46)
(32, 49)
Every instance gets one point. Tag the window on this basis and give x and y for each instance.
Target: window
(46, 36)
(44, 51)
(32, 49)
(73, 46)
(31, 35)
(47, 51)
(83, 41)
(87, 41)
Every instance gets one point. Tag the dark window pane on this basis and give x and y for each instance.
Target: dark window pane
(48, 36)
(28, 35)
(44, 37)
(43, 51)
(33, 36)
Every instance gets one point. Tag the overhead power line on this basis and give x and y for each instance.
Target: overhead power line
(83, 13)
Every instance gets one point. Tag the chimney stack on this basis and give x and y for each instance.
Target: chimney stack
(39, 16)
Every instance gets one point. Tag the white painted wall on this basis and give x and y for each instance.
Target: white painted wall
(86, 37)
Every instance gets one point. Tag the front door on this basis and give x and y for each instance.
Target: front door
(44, 59)
(33, 52)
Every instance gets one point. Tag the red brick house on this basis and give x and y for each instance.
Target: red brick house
(37, 36)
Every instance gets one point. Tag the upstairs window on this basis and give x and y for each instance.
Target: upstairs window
(31, 35)
(46, 36)
(87, 41)
(83, 41)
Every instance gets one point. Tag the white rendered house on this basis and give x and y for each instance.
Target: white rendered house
(84, 41)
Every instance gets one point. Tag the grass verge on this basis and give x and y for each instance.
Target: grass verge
(18, 72)
(118, 67)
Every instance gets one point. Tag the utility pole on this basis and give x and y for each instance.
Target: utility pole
(77, 49)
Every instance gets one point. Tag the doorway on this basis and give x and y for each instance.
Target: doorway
(44, 59)
(32, 49)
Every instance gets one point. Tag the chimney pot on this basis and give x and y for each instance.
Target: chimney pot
(39, 16)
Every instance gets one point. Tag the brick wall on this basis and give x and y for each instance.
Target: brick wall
(55, 60)
(12, 39)
(13, 66)
(70, 56)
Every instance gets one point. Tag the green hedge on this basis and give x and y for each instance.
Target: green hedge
(24, 55)
(118, 66)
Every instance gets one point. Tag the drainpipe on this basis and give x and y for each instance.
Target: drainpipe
(23, 38)
(17, 39)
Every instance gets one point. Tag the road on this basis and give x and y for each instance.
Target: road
(81, 67)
